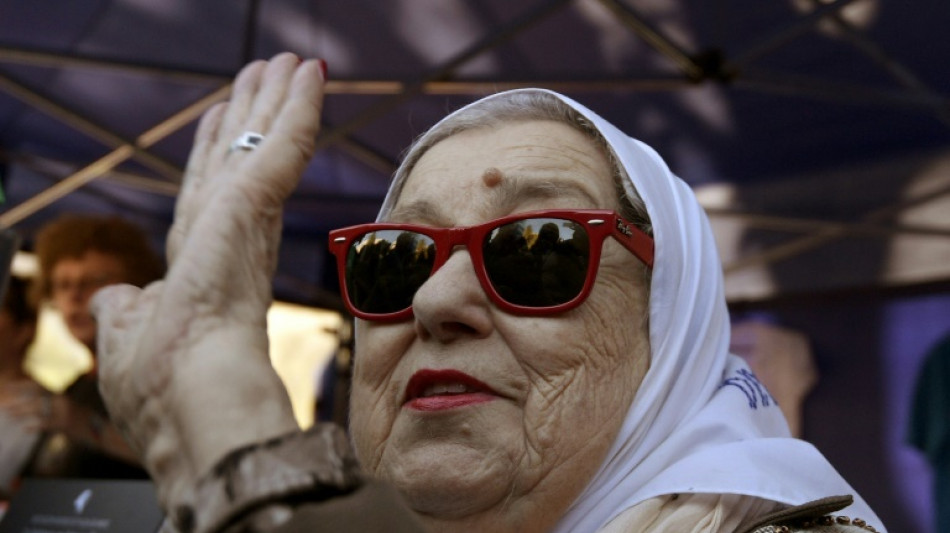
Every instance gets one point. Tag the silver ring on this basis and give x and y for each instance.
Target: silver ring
(247, 141)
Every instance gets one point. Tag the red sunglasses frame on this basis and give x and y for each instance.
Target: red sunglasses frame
(598, 223)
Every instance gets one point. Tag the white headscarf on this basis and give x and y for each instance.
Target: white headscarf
(700, 422)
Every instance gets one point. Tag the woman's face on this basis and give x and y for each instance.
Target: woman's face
(74, 280)
(553, 391)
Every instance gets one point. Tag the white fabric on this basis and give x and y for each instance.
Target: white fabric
(691, 513)
(699, 423)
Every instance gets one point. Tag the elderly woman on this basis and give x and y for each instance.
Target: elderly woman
(583, 385)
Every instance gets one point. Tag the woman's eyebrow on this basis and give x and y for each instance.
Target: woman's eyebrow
(418, 210)
(508, 194)
(514, 190)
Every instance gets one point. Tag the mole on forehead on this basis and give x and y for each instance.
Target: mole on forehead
(492, 177)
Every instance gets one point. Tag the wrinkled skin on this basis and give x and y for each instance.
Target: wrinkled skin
(563, 383)
(184, 365)
(184, 362)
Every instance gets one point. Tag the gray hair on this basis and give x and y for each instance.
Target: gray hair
(526, 105)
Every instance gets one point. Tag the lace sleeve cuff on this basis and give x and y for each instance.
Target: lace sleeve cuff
(270, 476)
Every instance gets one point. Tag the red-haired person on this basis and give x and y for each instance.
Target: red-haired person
(78, 255)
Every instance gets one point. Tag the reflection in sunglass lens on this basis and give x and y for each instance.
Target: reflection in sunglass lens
(537, 262)
(385, 268)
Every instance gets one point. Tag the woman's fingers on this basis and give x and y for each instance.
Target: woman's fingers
(292, 134)
(281, 100)
(245, 90)
(206, 140)
(299, 118)
(189, 198)
(118, 313)
(159, 347)
(275, 81)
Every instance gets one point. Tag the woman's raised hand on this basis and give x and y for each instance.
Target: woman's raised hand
(184, 364)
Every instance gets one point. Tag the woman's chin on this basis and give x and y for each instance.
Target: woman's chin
(451, 481)
(448, 505)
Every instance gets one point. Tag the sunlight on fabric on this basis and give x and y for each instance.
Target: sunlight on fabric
(25, 265)
(749, 283)
(716, 196)
(440, 31)
(159, 10)
(913, 258)
(302, 31)
(857, 14)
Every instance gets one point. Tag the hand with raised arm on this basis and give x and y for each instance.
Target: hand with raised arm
(184, 364)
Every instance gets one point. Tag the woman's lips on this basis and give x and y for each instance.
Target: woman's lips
(437, 390)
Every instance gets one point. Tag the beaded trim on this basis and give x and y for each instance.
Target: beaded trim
(827, 520)
(317, 464)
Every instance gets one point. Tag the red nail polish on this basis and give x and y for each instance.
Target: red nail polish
(323, 68)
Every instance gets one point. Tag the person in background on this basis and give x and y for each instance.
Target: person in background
(929, 427)
(17, 330)
(782, 359)
(78, 255)
(18, 320)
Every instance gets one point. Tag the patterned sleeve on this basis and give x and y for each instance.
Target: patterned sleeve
(256, 488)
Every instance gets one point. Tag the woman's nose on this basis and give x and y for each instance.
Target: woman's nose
(451, 303)
(76, 292)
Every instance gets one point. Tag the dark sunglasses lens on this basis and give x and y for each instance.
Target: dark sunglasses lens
(537, 262)
(385, 268)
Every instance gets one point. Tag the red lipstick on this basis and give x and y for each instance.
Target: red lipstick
(437, 390)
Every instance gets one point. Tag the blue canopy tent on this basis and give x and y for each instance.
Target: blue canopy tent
(816, 133)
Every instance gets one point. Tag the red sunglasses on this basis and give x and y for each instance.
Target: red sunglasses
(536, 263)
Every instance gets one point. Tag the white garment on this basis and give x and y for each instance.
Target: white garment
(691, 513)
(700, 422)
